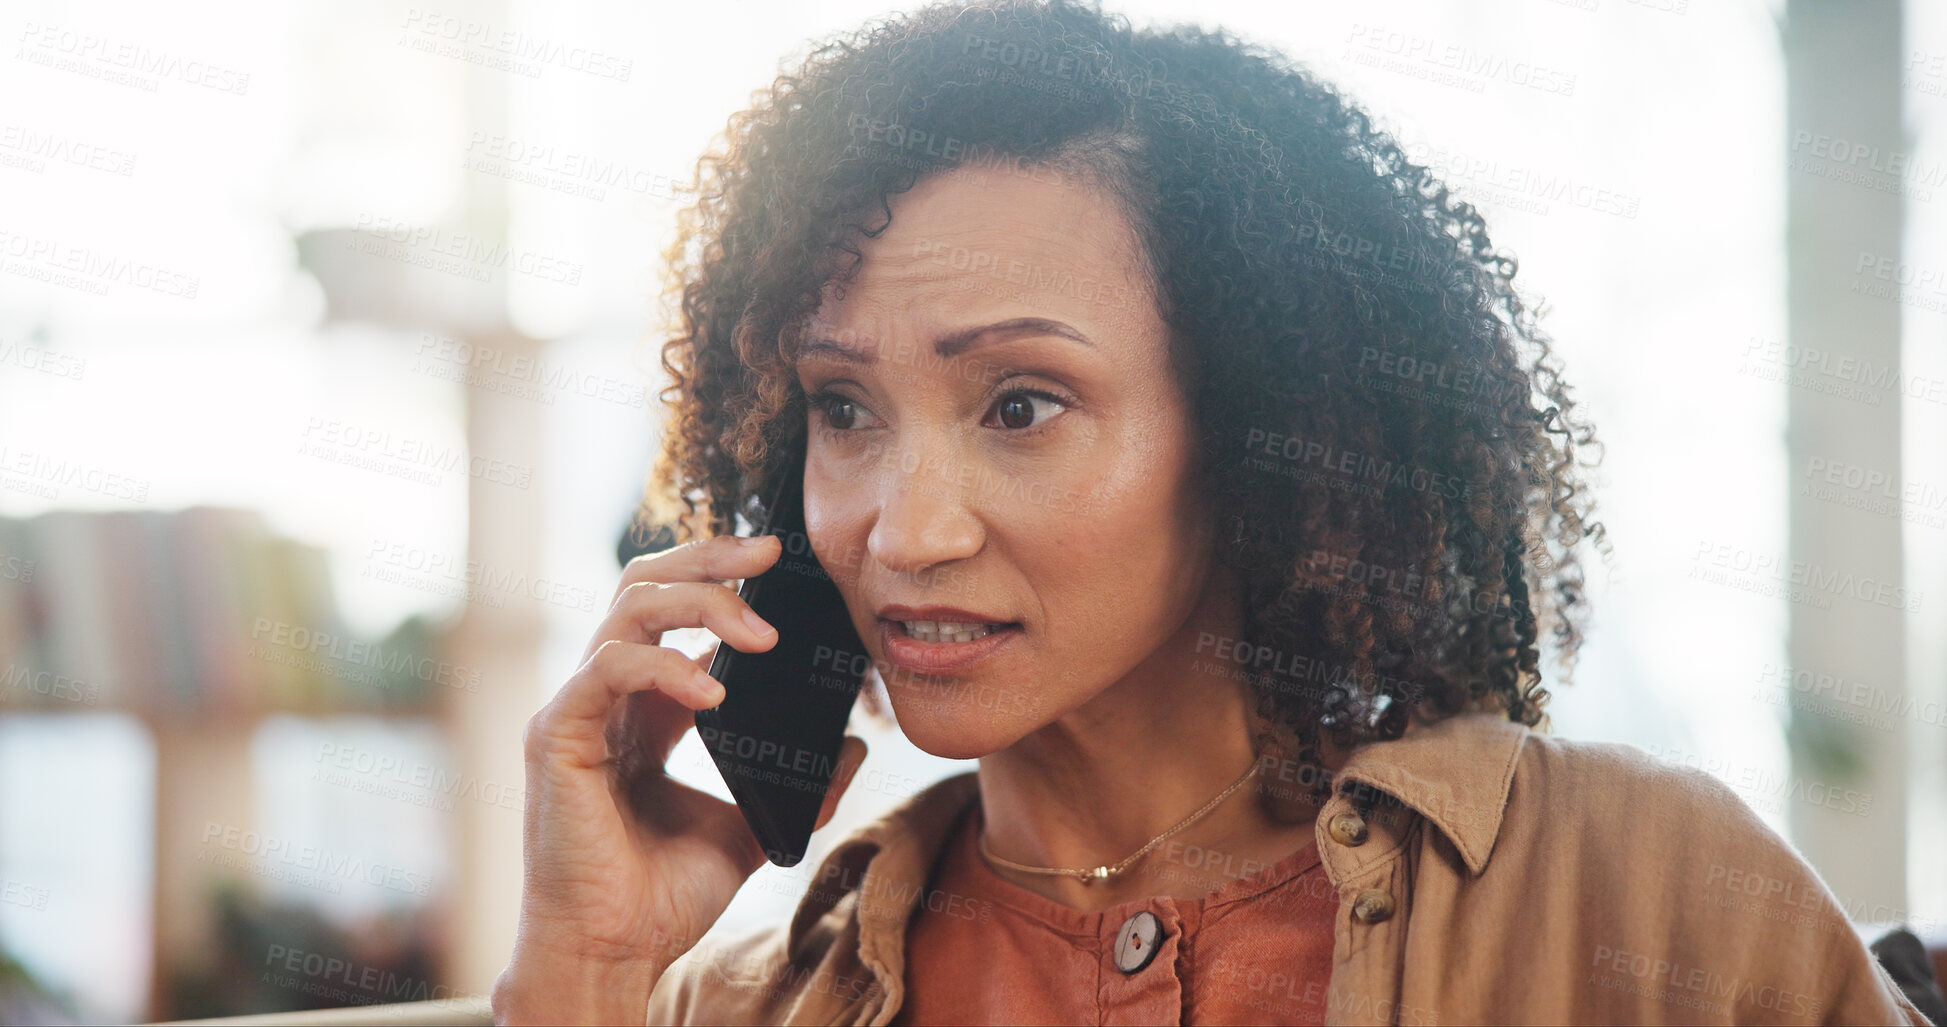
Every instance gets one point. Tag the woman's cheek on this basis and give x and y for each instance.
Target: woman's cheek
(832, 525)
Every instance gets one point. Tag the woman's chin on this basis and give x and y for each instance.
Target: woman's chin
(955, 731)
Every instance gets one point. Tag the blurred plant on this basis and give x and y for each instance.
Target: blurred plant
(277, 957)
(1825, 748)
(23, 999)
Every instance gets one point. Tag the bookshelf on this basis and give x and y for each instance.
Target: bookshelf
(198, 623)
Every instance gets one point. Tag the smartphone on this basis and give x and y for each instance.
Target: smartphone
(777, 734)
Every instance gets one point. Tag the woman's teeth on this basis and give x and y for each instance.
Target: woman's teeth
(945, 631)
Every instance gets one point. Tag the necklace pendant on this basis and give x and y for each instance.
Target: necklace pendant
(1098, 874)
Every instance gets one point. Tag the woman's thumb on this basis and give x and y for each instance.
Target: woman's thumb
(850, 755)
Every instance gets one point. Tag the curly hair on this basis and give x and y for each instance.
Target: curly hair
(1384, 434)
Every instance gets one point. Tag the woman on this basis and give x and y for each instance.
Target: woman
(1170, 436)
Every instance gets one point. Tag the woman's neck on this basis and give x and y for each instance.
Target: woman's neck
(1103, 780)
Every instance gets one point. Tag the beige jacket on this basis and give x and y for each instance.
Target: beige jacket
(1521, 878)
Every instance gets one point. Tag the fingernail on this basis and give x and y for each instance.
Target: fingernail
(752, 540)
(712, 688)
(756, 623)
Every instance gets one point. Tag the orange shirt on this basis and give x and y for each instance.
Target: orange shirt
(1594, 868)
(1255, 950)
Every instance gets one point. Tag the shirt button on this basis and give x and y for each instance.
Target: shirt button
(1372, 906)
(1137, 942)
(1348, 829)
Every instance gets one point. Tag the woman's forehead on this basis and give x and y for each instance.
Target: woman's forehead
(956, 255)
(1017, 227)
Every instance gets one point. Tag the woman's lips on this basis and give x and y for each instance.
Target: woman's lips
(910, 654)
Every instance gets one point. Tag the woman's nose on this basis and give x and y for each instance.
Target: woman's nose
(922, 517)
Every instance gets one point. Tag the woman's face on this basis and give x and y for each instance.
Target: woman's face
(997, 440)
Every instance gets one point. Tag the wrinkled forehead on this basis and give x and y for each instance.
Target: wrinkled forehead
(966, 249)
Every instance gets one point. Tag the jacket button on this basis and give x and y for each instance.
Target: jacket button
(1348, 829)
(1137, 942)
(1372, 906)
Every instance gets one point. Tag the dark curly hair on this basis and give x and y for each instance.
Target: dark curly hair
(1385, 437)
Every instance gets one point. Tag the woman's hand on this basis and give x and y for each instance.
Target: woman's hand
(625, 868)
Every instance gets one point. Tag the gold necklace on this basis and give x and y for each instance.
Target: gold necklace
(1090, 875)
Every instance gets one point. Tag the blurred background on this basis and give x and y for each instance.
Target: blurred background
(327, 363)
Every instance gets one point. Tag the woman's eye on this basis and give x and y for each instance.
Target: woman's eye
(841, 414)
(1017, 409)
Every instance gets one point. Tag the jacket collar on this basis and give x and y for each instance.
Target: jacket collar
(1454, 772)
(887, 863)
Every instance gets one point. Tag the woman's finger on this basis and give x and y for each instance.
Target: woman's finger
(573, 725)
(651, 724)
(721, 558)
(646, 609)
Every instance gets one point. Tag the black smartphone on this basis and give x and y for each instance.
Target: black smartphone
(777, 734)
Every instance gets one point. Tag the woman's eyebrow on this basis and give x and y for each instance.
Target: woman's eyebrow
(959, 340)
